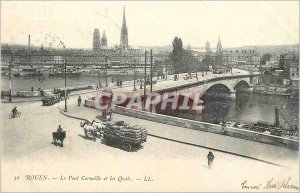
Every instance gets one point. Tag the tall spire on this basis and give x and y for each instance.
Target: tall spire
(104, 39)
(124, 33)
(219, 46)
(124, 18)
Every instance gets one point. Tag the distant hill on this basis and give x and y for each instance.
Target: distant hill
(157, 49)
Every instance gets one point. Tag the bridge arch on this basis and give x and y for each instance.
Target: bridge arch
(183, 103)
(217, 90)
(241, 85)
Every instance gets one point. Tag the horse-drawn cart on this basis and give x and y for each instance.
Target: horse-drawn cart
(124, 136)
(50, 100)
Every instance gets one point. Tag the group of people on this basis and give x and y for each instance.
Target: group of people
(61, 93)
(120, 83)
(99, 85)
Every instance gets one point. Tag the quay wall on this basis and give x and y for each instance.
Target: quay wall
(207, 127)
(76, 88)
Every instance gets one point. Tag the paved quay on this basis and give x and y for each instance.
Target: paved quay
(27, 149)
(269, 153)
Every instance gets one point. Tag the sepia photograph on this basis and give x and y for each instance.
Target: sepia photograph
(149, 96)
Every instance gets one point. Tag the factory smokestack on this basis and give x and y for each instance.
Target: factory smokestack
(29, 52)
(28, 43)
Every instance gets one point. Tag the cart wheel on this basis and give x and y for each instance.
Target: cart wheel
(126, 147)
(107, 141)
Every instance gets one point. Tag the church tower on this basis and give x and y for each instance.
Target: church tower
(219, 55)
(124, 33)
(207, 48)
(104, 40)
(96, 40)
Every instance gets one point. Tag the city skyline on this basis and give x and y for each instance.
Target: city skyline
(194, 22)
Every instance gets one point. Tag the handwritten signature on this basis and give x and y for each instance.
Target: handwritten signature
(272, 185)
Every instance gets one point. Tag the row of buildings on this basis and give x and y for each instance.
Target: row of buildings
(242, 58)
(286, 73)
(100, 55)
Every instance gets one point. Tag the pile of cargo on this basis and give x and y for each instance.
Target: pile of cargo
(124, 133)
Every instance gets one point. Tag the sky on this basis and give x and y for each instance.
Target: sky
(151, 23)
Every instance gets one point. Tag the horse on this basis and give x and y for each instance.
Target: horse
(88, 129)
(98, 125)
(59, 136)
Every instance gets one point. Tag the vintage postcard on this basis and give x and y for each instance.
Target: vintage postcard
(149, 96)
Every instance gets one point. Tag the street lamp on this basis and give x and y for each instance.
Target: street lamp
(65, 81)
(166, 69)
(134, 89)
(65, 64)
(10, 65)
(151, 68)
(106, 65)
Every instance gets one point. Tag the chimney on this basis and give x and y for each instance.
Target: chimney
(29, 43)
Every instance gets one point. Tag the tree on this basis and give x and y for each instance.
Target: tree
(266, 57)
(189, 61)
(206, 62)
(182, 60)
(177, 54)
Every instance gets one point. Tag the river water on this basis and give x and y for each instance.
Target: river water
(25, 83)
(246, 107)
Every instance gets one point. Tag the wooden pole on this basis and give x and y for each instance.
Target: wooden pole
(65, 82)
(145, 79)
(151, 70)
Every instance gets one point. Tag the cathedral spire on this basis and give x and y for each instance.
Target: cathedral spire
(104, 39)
(124, 18)
(124, 33)
(219, 46)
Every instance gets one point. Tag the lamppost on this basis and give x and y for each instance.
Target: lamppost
(99, 81)
(99, 77)
(134, 89)
(106, 65)
(65, 80)
(151, 74)
(10, 66)
(65, 71)
(166, 69)
(145, 77)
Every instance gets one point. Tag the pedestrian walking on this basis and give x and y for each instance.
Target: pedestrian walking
(210, 159)
(79, 100)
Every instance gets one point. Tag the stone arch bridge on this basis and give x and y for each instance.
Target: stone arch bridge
(229, 84)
